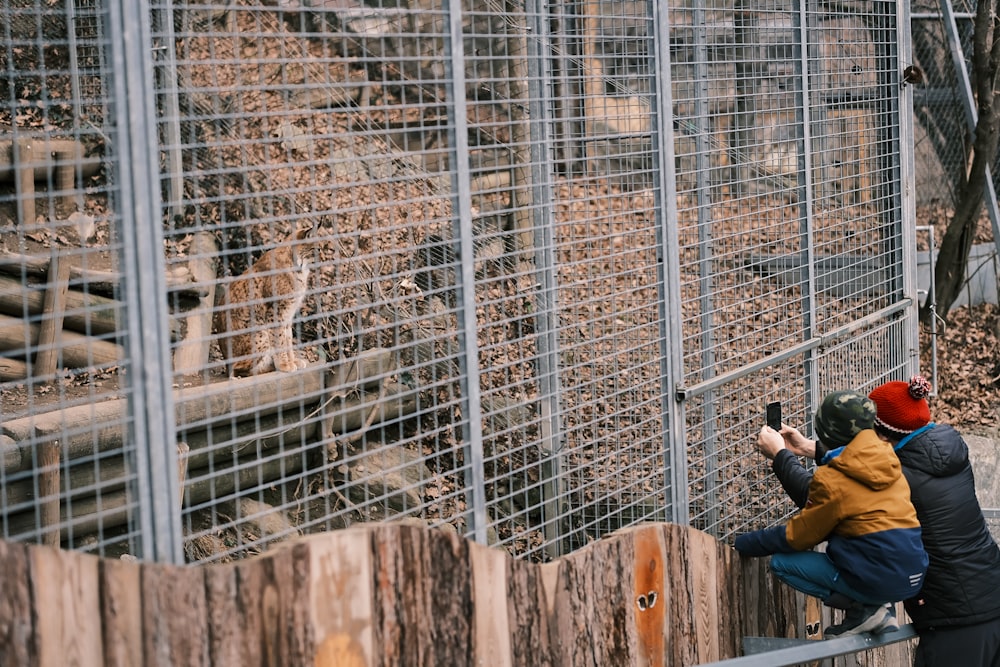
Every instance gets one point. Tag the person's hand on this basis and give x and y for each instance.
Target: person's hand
(797, 443)
(769, 442)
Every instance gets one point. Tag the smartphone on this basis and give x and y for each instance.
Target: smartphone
(774, 415)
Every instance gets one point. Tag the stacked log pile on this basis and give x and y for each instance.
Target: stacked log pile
(38, 292)
(236, 434)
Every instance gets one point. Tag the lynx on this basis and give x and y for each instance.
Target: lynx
(254, 316)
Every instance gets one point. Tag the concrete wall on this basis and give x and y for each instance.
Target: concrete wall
(981, 274)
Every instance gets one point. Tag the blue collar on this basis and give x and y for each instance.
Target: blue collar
(901, 443)
(832, 454)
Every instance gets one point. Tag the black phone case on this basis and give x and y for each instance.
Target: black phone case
(774, 415)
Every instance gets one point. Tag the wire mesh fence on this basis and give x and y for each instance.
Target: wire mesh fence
(526, 270)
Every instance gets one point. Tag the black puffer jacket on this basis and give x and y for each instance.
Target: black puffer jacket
(962, 585)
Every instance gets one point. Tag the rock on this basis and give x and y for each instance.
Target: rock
(393, 475)
(271, 523)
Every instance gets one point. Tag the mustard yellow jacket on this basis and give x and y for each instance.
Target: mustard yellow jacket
(859, 502)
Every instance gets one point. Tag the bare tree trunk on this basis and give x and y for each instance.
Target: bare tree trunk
(949, 270)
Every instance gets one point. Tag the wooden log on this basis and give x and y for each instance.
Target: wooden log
(92, 515)
(19, 642)
(287, 428)
(705, 595)
(206, 480)
(205, 483)
(83, 429)
(182, 465)
(341, 598)
(489, 590)
(599, 585)
(222, 441)
(78, 351)
(78, 481)
(532, 614)
(226, 645)
(65, 589)
(365, 370)
(12, 369)
(191, 356)
(45, 156)
(351, 414)
(256, 395)
(680, 644)
(10, 454)
(24, 181)
(209, 484)
(97, 282)
(174, 615)
(411, 566)
(99, 427)
(85, 313)
(270, 600)
(650, 596)
(49, 488)
(53, 312)
(121, 612)
(88, 515)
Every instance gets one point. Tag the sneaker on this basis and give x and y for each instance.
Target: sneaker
(889, 623)
(858, 619)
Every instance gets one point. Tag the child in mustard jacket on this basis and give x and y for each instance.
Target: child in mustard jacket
(859, 503)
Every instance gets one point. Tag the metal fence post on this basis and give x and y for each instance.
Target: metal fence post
(550, 443)
(671, 356)
(147, 343)
(475, 478)
(908, 200)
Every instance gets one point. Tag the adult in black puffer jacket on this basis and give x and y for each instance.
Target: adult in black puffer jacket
(957, 613)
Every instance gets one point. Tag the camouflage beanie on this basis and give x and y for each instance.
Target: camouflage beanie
(841, 416)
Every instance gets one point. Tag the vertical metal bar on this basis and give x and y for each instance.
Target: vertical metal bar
(458, 122)
(547, 317)
(668, 274)
(144, 290)
(565, 91)
(166, 82)
(971, 116)
(703, 154)
(903, 142)
(806, 202)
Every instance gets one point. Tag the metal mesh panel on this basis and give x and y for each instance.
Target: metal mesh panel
(941, 132)
(528, 271)
(68, 470)
(786, 140)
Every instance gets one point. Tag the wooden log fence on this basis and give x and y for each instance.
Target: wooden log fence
(398, 594)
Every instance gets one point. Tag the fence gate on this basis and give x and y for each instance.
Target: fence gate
(528, 270)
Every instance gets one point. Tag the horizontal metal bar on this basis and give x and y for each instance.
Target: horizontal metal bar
(807, 651)
(936, 16)
(682, 393)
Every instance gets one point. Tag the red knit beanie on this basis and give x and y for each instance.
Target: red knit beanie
(902, 406)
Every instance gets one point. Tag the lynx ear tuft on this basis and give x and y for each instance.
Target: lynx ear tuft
(305, 231)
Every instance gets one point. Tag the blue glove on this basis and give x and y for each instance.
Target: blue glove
(763, 542)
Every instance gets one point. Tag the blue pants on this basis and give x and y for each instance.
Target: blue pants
(813, 573)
